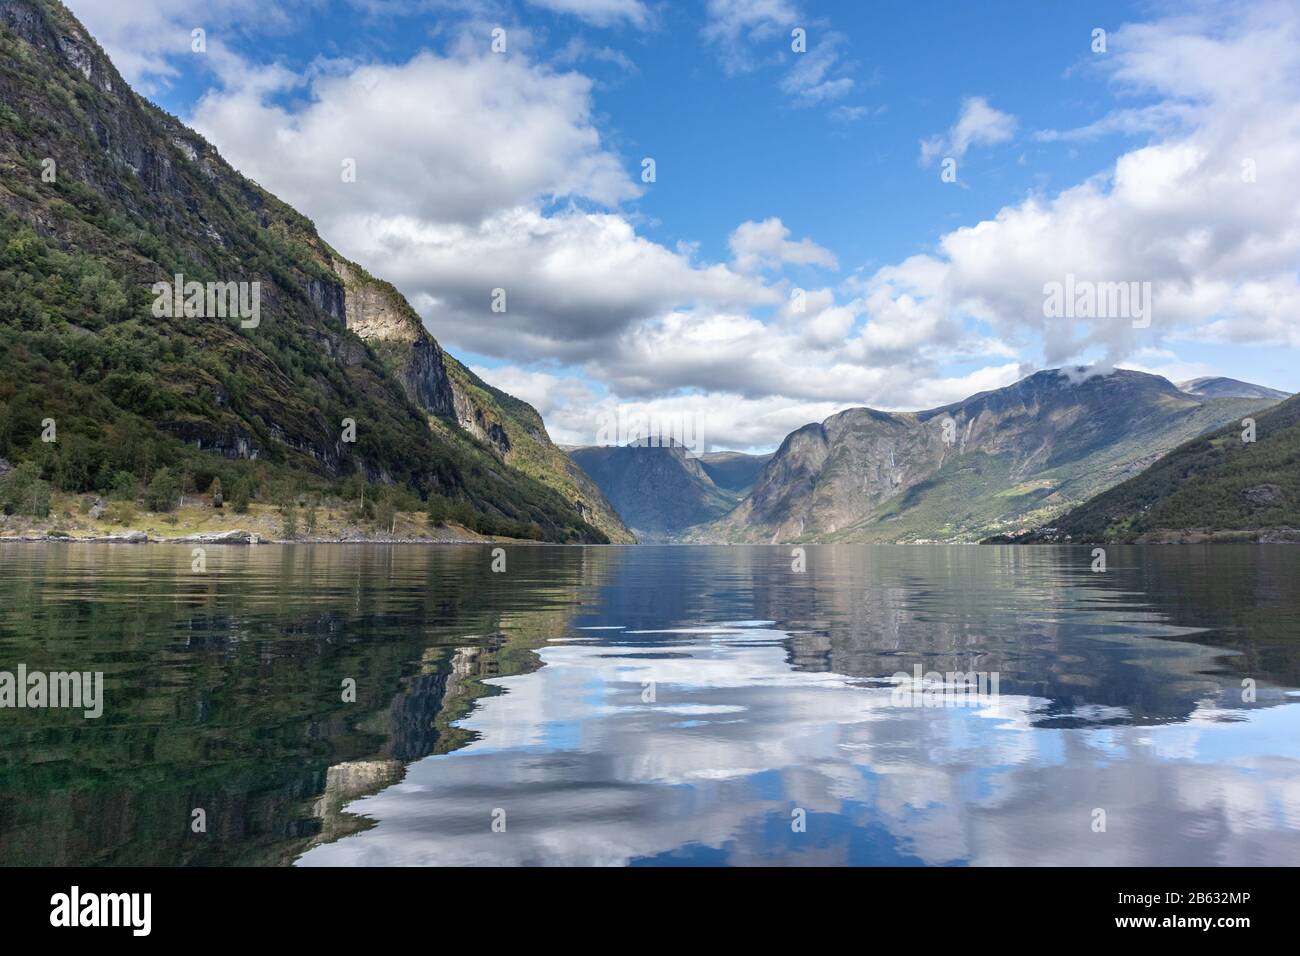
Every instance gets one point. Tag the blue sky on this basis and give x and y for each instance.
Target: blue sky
(775, 171)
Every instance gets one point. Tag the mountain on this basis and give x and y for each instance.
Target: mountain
(104, 198)
(1216, 486)
(659, 491)
(1014, 457)
(1220, 387)
(733, 470)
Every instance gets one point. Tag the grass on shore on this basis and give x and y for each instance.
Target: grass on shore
(70, 516)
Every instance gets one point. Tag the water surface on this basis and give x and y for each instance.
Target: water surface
(654, 705)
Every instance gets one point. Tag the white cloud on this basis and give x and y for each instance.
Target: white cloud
(979, 124)
(601, 13)
(146, 38)
(1157, 118)
(813, 79)
(574, 412)
(574, 281)
(1167, 363)
(455, 138)
(1220, 251)
(764, 245)
(734, 24)
(747, 32)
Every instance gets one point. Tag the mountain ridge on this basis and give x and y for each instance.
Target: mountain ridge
(1219, 386)
(1011, 455)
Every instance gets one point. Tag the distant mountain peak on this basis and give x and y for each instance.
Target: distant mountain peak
(1219, 386)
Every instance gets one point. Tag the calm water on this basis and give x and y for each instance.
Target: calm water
(653, 705)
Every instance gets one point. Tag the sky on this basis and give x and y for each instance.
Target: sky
(752, 214)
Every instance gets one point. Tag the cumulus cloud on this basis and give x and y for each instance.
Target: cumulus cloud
(574, 281)
(760, 245)
(978, 124)
(456, 158)
(575, 413)
(441, 138)
(1206, 215)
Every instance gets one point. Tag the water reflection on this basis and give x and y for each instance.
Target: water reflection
(655, 705)
(589, 773)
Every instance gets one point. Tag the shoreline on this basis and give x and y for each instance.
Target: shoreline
(240, 538)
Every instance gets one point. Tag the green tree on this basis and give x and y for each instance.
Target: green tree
(163, 491)
(437, 509)
(385, 513)
(23, 492)
(288, 520)
(462, 513)
(121, 486)
(240, 495)
(215, 490)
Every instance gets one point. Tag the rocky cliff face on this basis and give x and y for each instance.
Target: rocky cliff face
(378, 314)
(1004, 458)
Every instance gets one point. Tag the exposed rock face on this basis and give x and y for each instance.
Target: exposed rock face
(1264, 496)
(371, 311)
(379, 316)
(998, 460)
(474, 419)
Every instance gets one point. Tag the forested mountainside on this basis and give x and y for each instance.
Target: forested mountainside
(1218, 485)
(333, 385)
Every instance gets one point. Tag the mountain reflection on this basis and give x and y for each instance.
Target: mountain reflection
(590, 774)
(655, 705)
